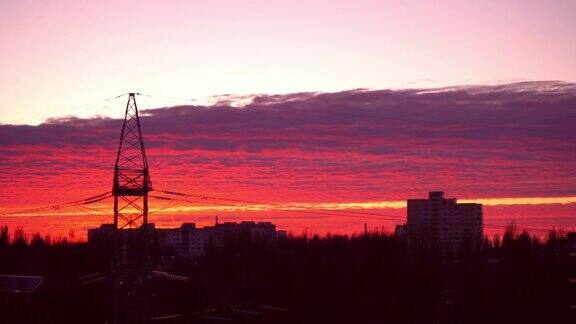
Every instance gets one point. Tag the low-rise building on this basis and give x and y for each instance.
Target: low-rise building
(189, 241)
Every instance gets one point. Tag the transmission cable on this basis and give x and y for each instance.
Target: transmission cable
(331, 212)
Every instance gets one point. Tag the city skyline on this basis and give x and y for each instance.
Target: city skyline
(312, 152)
(271, 108)
(287, 161)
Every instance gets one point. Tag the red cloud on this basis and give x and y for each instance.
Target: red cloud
(491, 141)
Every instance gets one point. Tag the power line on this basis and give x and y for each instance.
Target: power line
(372, 117)
(67, 109)
(286, 208)
(327, 211)
(282, 207)
(75, 203)
(167, 97)
(410, 120)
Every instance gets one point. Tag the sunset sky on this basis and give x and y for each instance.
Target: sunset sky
(253, 101)
(61, 53)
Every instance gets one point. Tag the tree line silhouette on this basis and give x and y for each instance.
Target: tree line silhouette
(371, 278)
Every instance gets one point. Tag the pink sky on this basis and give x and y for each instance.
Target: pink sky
(57, 54)
(510, 147)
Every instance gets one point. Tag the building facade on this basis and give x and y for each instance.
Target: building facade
(443, 224)
(189, 241)
(470, 220)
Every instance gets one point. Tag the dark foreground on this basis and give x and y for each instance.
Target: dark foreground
(362, 279)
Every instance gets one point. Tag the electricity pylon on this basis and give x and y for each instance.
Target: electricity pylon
(132, 266)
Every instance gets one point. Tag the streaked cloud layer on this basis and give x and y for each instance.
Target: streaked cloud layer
(500, 145)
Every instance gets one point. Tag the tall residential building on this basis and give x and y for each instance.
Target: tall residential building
(470, 221)
(441, 223)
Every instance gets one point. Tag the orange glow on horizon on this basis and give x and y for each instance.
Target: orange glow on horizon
(202, 206)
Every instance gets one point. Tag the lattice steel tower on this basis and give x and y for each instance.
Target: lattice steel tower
(132, 265)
